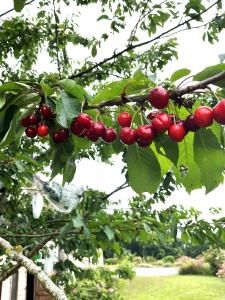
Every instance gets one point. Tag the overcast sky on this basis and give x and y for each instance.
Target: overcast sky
(194, 54)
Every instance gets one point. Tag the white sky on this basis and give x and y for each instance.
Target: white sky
(194, 54)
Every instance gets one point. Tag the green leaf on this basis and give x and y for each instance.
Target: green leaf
(211, 71)
(2, 100)
(12, 86)
(78, 221)
(179, 74)
(73, 89)
(143, 169)
(69, 170)
(19, 5)
(67, 108)
(103, 17)
(165, 146)
(94, 51)
(109, 232)
(184, 237)
(210, 159)
(47, 90)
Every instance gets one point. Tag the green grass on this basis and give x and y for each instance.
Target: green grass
(173, 288)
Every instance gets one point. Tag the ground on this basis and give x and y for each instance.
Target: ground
(173, 288)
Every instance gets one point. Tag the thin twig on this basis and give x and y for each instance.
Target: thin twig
(57, 38)
(12, 9)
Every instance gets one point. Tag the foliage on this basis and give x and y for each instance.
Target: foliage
(125, 271)
(221, 272)
(111, 261)
(136, 260)
(169, 259)
(195, 267)
(215, 257)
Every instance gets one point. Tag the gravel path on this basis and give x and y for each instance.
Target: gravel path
(159, 271)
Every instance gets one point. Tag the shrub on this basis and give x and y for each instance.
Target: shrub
(136, 260)
(149, 259)
(111, 261)
(182, 260)
(125, 272)
(221, 272)
(195, 267)
(215, 257)
(169, 259)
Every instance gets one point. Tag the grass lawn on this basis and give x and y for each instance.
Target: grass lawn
(173, 288)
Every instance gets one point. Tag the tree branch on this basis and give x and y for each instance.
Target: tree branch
(12, 9)
(12, 270)
(57, 38)
(33, 269)
(132, 47)
(173, 93)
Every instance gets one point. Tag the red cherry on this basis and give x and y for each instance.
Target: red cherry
(159, 97)
(75, 128)
(128, 136)
(177, 132)
(98, 128)
(31, 132)
(60, 136)
(46, 111)
(24, 121)
(219, 112)
(189, 124)
(145, 133)
(110, 135)
(161, 122)
(152, 115)
(84, 121)
(42, 130)
(91, 135)
(32, 120)
(83, 133)
(203, 116)
(143, 144)
(124, 119)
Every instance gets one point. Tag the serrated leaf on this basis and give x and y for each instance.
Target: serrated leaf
(109, 232)
(19, 5)
(143, 169)
(179, 74)
(73, 89)
(78, 221)
(211, 71)
(67, 108)
(210, 159)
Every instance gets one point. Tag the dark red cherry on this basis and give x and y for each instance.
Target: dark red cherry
(145, 133)
(84, 121)
(98, 128)
(152, 115)
(31, 132)
(177, 132)
(161, 122)
(110, 135)
(91, 135)
(124, 119)
(75, 128)
(189, 124)
(143, 144)
(32, 120)
(128, 136)
(42, 130)
(219, 112)
(46, 111)
(25, 121)
(159, 97)
(61, 135)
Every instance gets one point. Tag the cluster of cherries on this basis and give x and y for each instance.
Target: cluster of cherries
(158, 122)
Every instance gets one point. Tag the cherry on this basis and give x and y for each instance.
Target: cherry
(60, 136)
(46, 111)
(189, 124)
(42, 130)
(219, 112)
(110, 135)
(75, 128)
(84, 121)
(31, 132)
(159, 97)
(127, 135)
(152, 115)
(24, 121)
(143, 144)
(32, 120)
(145, 133)
(98, 128)
(91, 135)
(177, 132)
(161, 122)
(124, 119)
(203, 116)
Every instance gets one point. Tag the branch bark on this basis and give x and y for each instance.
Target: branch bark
(173, 93)
(46, 282)
(132, 47)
